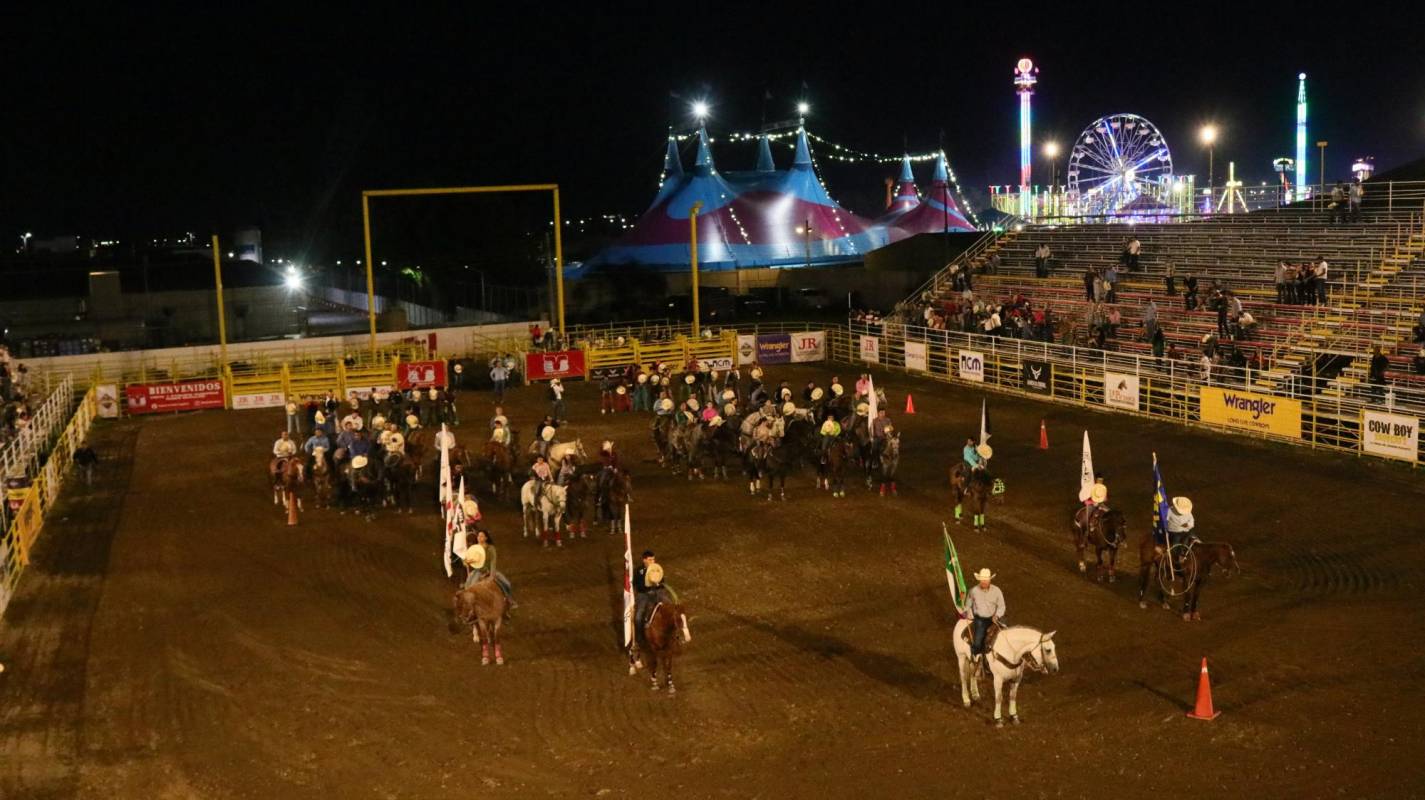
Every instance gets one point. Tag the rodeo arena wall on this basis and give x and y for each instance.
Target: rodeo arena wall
(259, 375)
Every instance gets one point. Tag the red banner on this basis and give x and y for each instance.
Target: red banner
(153, 398)
(420, 374)
(559, 364)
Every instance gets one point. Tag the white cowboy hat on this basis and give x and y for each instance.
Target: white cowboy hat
(474, 557)
(986, 452)
(459, 368)
(317, 451)
(789, 409)
(757, 372)
(817, 394)
(621, 390)
(654, 576)
(689, 379)
(320, 418)
(890, 428)
(359, 462)
(354, 401)
(1206, 337)
(984, 575)
(381, 394)
(620, 340)
(471, 508)
(547, 434)
(837, 389)
(413, 421)
(654, 380)
(377, 421)
(729, 409)
(666, 404)
(1099, 493)
(863, 409)
(608, 445)
(828, 427)
(643, 377)
(432, 393)
(502, 419)
(693, 403)
(786, 394)
(291, 408)
(1182, 505)
(729, 394)
(715, 421)
(714, 375)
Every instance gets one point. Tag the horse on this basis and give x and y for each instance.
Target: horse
(460, 463)
(663, 636)
(418, 442)
(771, 462)
(720, 447)
(975, 485)
(400, 471)
(660, 430)
(887, 462)
(322, 480)
(1106, 531)
(689, 446)
(483, 607)
(831, 470)
(563, 450)
(289, 475)
(363, 486)
(544, 518)
(1017, 649)
(616, 495)
(499, 462)
(578, 505)
(1201, 557)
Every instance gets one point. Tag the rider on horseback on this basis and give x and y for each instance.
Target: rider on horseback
(317, 441)
(608, 460)
(1180, 522)
(987, 610)
(649, 589)
(479, 559)
(830, 432)
(282, 449)
(1096, 504)
(977, 458)
(542, 475)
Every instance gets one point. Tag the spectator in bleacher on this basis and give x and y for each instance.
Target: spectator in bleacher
(1219, 302)
(1338, 203)
(1356, 193)
(1205, 365)
(1135, 247)
(1112, 320)
(1090, 280)
(1170, 274)
(1158, 340)
(1321, 273)
(1420, 362)
(1041, 260)
(1233, 304)
(1281, 276)
(1189, 293)
(1305, 284)
(1150, 321)
(1110, 280)
(992, 324)
(1420, 328)
(1246, 324)
(992, 264)
(1379, 364)
(1173, 354)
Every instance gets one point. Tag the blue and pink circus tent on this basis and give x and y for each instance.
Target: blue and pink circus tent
(760, 217)
(937, 212)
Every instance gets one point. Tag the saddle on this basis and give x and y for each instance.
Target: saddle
(990, 636)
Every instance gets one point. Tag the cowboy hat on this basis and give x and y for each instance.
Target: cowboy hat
(986, 452)
(621, 390)
(459, 368)
(654, 575)
(432, 393)
(474, 557)
(728, 394)
(789, 409)
(666, 404)
(394, 440)
(1182, 505)
(471, 508)
(359, 462)
(502, 419)
(689, 379)
(817, 394)
(643, 377)
(1099, 493)
(715, 421)
(837, 389)
(291, 408)
(757, 372)
(320, 418)
(413, 421)
(863, 409)
(547, 434)
(729, 409)
(608, 445)
(377, 421)
(828, 427)
(654, 380)
(353, 400)
(620, 341)
(984, 574)
(693, 403)
(786, 394)
(1206, 337)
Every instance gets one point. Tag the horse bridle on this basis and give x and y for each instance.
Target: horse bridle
(1027, 658)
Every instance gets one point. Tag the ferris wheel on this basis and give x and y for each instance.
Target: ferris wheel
(1117, 160)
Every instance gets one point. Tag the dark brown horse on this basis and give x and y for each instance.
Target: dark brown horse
(579, 505)
(287, 475)
(663, 636)
(831, 471)
(1201, 557)
(972, 488)
(322, 479)
(483, 607)
(499, 462)
(1107, 532)
(400, 475)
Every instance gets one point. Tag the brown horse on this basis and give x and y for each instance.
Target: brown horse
(288, 474)
(400, 475)
(578, 505)
(322, 480)
(831, 471)
(1106, 531)
(663, 636)
(1200, 559)
(976, 487)
(499, 462)
(460, 463)
(483, 607)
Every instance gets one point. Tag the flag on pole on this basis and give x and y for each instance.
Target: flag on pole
(1160, 502)
(1086, 471)
(984, 421)
(954, 575)
(872, 402)
(627, 580)
(444, 487)
(446, 498)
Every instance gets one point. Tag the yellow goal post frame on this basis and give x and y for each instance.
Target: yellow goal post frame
(367, 194)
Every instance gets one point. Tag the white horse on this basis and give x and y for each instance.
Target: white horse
(561, 451)
(550, 511)
(1017, 649)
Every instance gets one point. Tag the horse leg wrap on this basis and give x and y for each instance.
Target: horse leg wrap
(957, 513)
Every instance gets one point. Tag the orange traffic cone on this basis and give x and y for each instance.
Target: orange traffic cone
(909, 405)
(1043, 436)
(1204, 697)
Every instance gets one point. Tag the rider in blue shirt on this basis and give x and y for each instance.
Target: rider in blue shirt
(972, 457)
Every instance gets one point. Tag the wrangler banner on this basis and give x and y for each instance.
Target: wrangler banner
(1249, 411)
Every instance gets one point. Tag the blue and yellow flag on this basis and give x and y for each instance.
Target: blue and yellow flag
(1160, 502)
(954, 575)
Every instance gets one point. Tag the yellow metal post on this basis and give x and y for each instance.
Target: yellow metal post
(222, 315)
(559, 261)
(370, 279)
(693, 233)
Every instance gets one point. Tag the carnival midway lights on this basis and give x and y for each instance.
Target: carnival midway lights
(1025, 76)
(1302, 190)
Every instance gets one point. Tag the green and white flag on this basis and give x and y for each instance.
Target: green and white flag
(954, 575)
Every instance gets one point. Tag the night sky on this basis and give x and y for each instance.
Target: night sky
(150, 123)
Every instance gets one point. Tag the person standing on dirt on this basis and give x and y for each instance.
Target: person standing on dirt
(556, 400)
(84, 461)
(499, 375)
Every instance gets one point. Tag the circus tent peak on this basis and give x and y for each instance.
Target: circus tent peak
(764, 155)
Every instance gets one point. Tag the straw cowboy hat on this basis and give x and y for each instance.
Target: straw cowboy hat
(291, 408)
(547, 434)
(715, 421)
(643, 377)
(817, 394)
(1182, 505)
(433, 393)
(689, 379)
(621, 390)
(502, 419)
(666, 404)
(394, 441)
(413, 421)
(986, 452)
(863, 409)
(377, 421)
(655, 380)
(1099, 493)
(693, 403)
(654, 576)
(984, 575)
(728, 394)
(786, 394)
(470, 507)
(320, 418)
(789, 409)
(459, 368)
(359, 462)
(474, 557)
(608, 446)
(729, 409)
(837, 389)
(620, 341)
(828, 427)
(757, 373)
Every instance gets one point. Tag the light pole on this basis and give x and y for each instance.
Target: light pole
(1321, 147)
(222, 315)
(1208, 135)
(693, 232)
(1051, 152)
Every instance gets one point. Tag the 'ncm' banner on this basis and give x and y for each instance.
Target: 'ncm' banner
(1249, 411)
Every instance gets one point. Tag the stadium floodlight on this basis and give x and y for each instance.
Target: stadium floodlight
(803, 108)
(700, 109)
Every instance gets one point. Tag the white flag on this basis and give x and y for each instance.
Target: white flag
(871, 414)
(445, 490)
(984, 421)
(1086, 471)
(627, 580)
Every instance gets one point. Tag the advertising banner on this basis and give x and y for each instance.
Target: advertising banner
(611, 371)
(746, 348)
(916, 356)
(106, 396)
(153, 398)
(721, 364)
(557, 364)
(808, 346)
(871, 349)
(1390, 435)
(420, 374)
(774, 348)
(259, 400)
(972, 366)
(1249, 411)
(1120, 390)
(1037, 377)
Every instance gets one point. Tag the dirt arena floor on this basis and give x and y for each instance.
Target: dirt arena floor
(176, 639)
